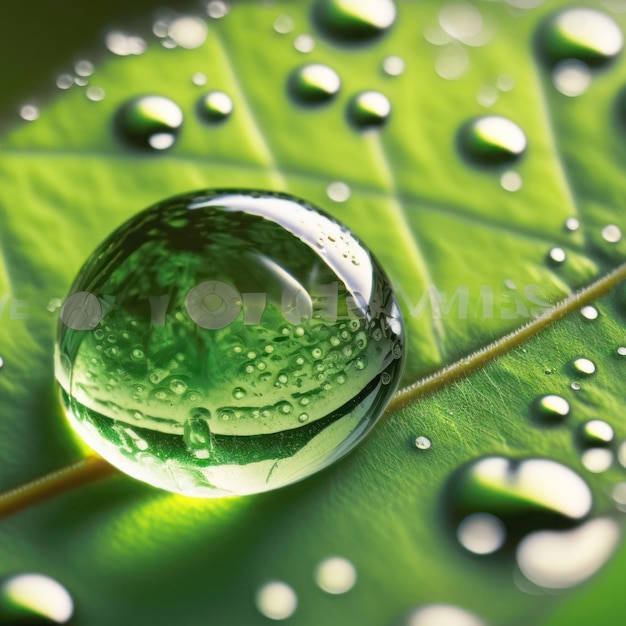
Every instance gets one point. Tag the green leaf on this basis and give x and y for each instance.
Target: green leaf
(468, 260)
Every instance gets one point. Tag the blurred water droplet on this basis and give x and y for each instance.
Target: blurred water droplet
(276, 600)
(64, 81)
(199, 79)
(80, 81)
(616, 6)
(393, 65)
(314, 84)
(571, 77)
(589, 312)
(354, 20)
(481, 533)
(557, 256)
(122, 44)
(621, 351)
(597, 460)
(511, 181)
(215, 106)
(283, 25)
(304, 43)
(149, 122)
(487, 96)
(551, 408)
(583, 367)
(217, 9)
(572, 224)
(29, 112)
(559, 560)
(95, 94)
(595, 433)
(188, 32)
(369, 110)
(611, 233)
(1, 362)
(441, 615)
(585, 35)
(34, 598)
(452, 62)
(84, 68)
(422, 443)
(335, 575)
(462, 21)
(619, 496)
(505, 83)
(492, 140)
(338, 191)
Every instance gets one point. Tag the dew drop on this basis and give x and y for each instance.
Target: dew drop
(29, 112)
(217, 9)
(95, 94)
(572, 224)
(461, 20)
(612, 233)
(481, 533)
(394, 65)
(557, 256)
(314, 84)
(575, 386)
(551, 409)
(505, 83)
(423, 443)
(64, 81)
(585, 35)
(283, 25)
(589, 312)
(597, 460)
(452, 62)
(34, 598)
(559, 560)
(84, 68)
(441, 615)
(621, 351)
(188, 32)
(487, 96)
(232, 244)
(369, 110)
(492, 140)
(276, 600)
(352, 21)
(304, 43)
(335, 575)
(511, 181)
(595, 433)
(583, 367)
(149, 122)
(123, 44)
(338, 192)
(199, 79)
(619, 496)
(571, 77)
(215, 106)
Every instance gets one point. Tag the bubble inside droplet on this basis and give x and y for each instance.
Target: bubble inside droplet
(244, 333)
(492, 140)
(149, 122)
(276, 600)
(335, 575)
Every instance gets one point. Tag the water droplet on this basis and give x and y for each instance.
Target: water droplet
(505, 83)
(583, 367)
(571, 77)
(551, 408)
(481, 533)
(487, 96)
(525, 495)
(557, 256)
(394, 65)
(354, 20)
(150, 122)
(441, 615)
(492, 140)
(612, 233)
(572, 224)
(452, 62)
(511, 181)
(619, 496)
(257, 243)
(123, 44)
(217, 9)
(338, 192)
(589, 312)
(64, 81)
(575, 386)
(559, 560)
(95, 94)
(461, 21)
(84, 68)
(369, 110)
(283, 25)
(215, 106)
(423, 443)
(585, 35)
(34, 598)
(621, 351)
(188, 32)
(595, 433)
(29, 112)
(199, 79)
(276, 600)
(597, 460)
(335, 575)
(304, 43)
(314, 84)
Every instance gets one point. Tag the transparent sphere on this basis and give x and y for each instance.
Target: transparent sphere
(228, 342)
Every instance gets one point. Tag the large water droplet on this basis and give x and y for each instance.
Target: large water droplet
(257, 322)
(149, 122)
(525, 495)
(335, 575)
(492, 140)
(558, 560)
(369, 110)
(314, 84)
(276, 600)
(215, 106)
(354, 20)
(34, 599)
(585, 35)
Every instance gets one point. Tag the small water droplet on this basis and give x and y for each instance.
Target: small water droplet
(95, 94)
(461, 21)
(283, 25)
(505, 83)
(551, 408)
(188, 32)
(369, 110)
(29, 112)
(304, 43)
(314, 84)
(199, 79)
(621, 351)
(217, 9)
(84, 68)
(583, 367)
(64, 81)
(571, 77)
(612, 233)
(123, 44)
(423, 443)
(585, 35)
(481, 533)
(572, 224)
(354, 20)
(276, 600)
(487, 96)
(338, 191)
(441, 615)
(335, 575)
(492, 140)
(34, 598)
(215, 106)
(149, 122)
(595, 433)
(589, 312)
(393, 65)
(557, 256)
(597, 460)
(511, 181)
(575, 386)
(452, 62)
